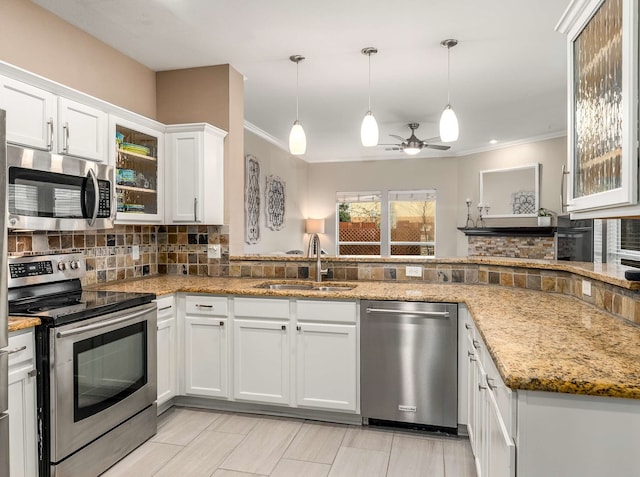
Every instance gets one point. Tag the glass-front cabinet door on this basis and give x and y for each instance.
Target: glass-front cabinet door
(137, 153)
(603, 104)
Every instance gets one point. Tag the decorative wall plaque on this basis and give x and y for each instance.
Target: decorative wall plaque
(251, 199)
(275, 202)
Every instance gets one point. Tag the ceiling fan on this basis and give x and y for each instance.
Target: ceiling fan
(412, 145)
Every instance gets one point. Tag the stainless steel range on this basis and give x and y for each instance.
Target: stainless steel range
(96, 361)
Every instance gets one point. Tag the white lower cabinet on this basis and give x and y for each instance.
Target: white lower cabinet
(261, 360)
(501, 450)
(167, 382)
(206, 346)
(327, 354)
(23, 457)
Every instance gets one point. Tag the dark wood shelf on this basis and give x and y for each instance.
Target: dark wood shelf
(509, 231)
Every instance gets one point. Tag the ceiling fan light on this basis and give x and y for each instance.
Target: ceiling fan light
(412, 151)
(449, 130)
(297, 139)
(369, 130)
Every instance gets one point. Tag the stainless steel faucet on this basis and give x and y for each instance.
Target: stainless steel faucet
(314, 244)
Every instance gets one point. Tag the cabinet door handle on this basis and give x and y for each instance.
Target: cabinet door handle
(491, 383)
(467, 326)
(195, 209)
(563, 205)
(299, 328)
(50, 125)
(198, 305)
(476, 344)
(65, 130)
(481, 387)
(164, 308)
(222, 323)
(283, 327)
(32, 373)
(17, 350)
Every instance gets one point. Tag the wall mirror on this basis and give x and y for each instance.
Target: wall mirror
(511, 192)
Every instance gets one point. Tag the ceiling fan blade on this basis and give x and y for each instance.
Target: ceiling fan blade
(399, 138)
(396, 145)
(438, 147)
(395, 148)
(432, 139)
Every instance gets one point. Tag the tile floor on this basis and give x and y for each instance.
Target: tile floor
(202, 443)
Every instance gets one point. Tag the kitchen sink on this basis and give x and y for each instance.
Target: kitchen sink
(305, 286)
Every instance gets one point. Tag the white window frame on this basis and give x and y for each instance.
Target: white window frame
(385, 222)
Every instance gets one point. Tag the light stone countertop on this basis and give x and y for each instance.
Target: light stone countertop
(17, 323)
(539, 341)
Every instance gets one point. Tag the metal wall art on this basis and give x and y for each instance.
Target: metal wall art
(275, 202)
(523, 202)
(251, 199)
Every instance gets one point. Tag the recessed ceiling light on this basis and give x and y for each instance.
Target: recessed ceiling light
(493, 141)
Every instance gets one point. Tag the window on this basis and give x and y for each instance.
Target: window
(359, 223)
(618, 241)
(390, 223)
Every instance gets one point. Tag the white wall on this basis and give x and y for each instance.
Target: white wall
(399, 174)
(293, 171)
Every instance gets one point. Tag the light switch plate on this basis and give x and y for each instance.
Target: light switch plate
(413, 271)
(135, 251)
(213, 251)
(586, 287)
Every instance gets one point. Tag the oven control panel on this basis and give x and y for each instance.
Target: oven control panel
(45, 268)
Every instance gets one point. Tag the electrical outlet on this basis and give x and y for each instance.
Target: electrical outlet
(413, 271)
(135, 251)
(586, 287)
(213, 251)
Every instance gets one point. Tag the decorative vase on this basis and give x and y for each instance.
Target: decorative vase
(544, 221)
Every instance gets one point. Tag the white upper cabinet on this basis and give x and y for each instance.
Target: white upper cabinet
(195, 178)
(602, 169)
(82, 130)
(137, 152)
(32, 114)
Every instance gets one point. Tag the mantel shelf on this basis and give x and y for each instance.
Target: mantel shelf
(509, 231)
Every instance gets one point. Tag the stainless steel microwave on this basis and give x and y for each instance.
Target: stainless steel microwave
(52, 192)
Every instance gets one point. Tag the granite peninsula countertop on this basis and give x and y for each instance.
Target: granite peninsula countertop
(539, 341)
(17, 323)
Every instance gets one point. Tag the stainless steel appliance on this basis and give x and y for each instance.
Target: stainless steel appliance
(96, 362)
(574, 239)
(4, 328)
(48, 191)
(409, 364)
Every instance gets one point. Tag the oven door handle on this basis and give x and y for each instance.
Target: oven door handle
(102, 324)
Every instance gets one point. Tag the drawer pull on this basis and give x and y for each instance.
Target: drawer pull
(203, 306)
(32, 373)
(17, 350)
(481, 387)
(491, 383)
(164, 308)
(222, 323)
(467, 326)
(476, 344)
(283, 327)
(299, 328)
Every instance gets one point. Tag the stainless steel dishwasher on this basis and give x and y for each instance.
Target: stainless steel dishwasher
(409, 363)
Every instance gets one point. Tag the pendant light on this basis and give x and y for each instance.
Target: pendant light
(369, 128)
(449, 129)
(297, 138)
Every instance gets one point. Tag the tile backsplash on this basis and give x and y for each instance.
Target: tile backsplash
(109, 254)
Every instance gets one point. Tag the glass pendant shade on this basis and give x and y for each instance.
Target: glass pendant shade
(297, 139)
(412, 151)
(448, 125)
(369, 130)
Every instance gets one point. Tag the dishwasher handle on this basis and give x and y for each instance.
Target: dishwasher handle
(428, 314)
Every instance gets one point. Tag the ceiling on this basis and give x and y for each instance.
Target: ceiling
(508, 72)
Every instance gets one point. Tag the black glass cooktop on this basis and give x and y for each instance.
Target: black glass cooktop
(72, 305)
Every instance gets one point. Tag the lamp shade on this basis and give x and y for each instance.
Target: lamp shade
(448, 125)
(297, 139)
(314, 226)
(369, 130)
